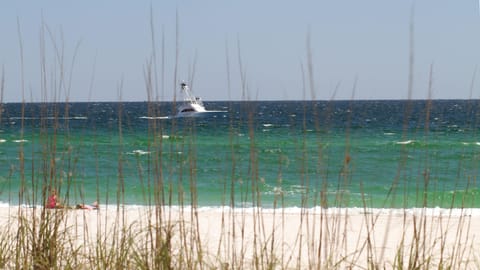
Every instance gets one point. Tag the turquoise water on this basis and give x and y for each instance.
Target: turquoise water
(270, 154)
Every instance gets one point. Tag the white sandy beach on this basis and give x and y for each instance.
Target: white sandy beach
(287, 239)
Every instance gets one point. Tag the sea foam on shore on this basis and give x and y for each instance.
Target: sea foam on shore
(437, 211)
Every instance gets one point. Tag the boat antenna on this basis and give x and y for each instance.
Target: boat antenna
(184, 86)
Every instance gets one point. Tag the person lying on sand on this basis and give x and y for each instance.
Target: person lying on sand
(93, 206)
(53, 203)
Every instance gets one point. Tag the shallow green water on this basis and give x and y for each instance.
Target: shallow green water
(282, 154)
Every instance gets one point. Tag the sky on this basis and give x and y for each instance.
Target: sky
(54, 50)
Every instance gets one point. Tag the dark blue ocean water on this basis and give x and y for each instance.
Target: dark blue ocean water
(271, 154)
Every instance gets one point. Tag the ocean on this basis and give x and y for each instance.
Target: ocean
(289, 154)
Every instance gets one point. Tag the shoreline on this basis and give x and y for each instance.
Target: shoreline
(428, 211)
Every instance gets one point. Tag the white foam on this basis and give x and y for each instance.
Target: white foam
(155, 117)
(49, 118)
(140, 152)
(406, 142)
(429, 212)
(432, 212)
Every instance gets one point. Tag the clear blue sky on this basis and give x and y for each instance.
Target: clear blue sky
(363, 39)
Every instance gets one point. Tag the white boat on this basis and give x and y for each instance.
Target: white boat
(191, 104)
